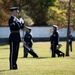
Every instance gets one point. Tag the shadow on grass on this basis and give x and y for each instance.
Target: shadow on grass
(72, 58)
(4, 58)
(35, 57)
(43, 57)
(3, 48)
(4, 70)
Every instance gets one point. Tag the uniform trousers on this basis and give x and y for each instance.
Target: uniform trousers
(14, 48)
(70, 46)
(53, 48)
(26, 51)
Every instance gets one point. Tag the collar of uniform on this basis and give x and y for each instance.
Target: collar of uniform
(14, 16)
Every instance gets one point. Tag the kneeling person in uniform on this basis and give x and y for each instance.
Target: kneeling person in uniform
(58, 52)
(28, 43)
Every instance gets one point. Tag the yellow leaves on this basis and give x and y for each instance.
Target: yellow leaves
(0, 0)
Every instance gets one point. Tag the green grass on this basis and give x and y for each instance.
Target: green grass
(44, 65)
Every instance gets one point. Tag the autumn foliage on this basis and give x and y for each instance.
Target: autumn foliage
(41, 12)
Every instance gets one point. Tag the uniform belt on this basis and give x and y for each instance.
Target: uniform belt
(14, 31)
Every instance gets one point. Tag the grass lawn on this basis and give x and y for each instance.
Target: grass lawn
(44, 65)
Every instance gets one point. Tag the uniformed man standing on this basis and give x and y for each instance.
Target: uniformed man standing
(70, 40)
(28, 43)
(14, 38)
(54, 40)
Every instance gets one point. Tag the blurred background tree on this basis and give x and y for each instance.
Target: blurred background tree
(38, 12)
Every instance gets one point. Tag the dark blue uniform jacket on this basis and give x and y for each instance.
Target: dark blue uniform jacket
(15, 27)
(54, 38)
(28, 39)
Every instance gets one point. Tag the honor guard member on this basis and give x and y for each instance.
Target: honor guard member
(14, 38)
(29, 42)
(70, 40)
(54, 40)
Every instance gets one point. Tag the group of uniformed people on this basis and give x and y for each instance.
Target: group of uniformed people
(15, 25)
(14, 39)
